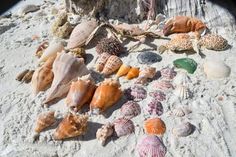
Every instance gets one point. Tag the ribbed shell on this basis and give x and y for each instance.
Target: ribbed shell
(45, 120)
(182, 79)
(168, 73)
(180, 112)
(136, 93)
(109, 45)
(154, 126)
(163, 85)
(183, 130)
(102, 61)
(154, 108)
(123, 127)
(130, 109)
(158, 95)
(113, 64)
(182, 92)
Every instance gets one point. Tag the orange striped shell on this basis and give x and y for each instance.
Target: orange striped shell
(113, 63)
(133, 73)
(154, 126)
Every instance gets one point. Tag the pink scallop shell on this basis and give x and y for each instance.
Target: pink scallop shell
(158, 95)
(136, 93)
(130, 109)
(163, 85)
(123, 126)
(154, 108)
(168, 73)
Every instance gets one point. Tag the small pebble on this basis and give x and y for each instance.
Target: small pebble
(148, 58)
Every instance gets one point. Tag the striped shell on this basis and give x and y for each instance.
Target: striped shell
(163, 85)
(158, 95)
(130, 109)
(180, 112)
(151, 146)
(113, 63)
(182, 92)
(168, 73)
(182, 79)
(183, 129)
(123, 126)
(154, 126)
(102, 61)
(136, 93)
(154, 108)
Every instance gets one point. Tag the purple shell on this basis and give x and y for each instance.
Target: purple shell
(123, 126)
(151, 146)
(163, 85)
(158, 95)
(136, 93)
(130, 109)
(168, 73)
(154, 108)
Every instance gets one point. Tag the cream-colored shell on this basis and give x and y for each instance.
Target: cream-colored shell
(182, 92)
(181, 79)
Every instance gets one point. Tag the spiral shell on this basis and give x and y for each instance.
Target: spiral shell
(154, 126)
(154, 108)
(182, 92)
(183, 129)
(136, 93)
(123, 127)
(113, 63)
(158, 95)
(45, 120)
(102, 61)
(130, 109)
(168, 73)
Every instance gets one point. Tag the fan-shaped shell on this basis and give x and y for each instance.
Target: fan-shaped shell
(151, 146)
(180, 112)
(163, 85)
(130, 109)
(102, 61)
(123, 126)
(182, 92)
(123, 70)
(113, 63)
(158, 95)
(133, 73)
(104, 132)
(154, 126)
(154, 108)
(44, 121)
(136, 93)
(183, 129)
(182, 79)
(168, 73)
(216, 69)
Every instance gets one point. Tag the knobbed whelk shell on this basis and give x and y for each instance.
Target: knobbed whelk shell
(154, 126)
(130, 109)
(44, 120)
(71, 126)
(80, 93)
(182, 79)
(182, 92)
(216, 69)
(104, 132)
(106, 95)
(183, 129)
(123, 126)
(66, 69)
(113, 63)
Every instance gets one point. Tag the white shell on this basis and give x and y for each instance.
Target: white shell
(27, 8)
(183, 129)
(216, 69)
(181, 79)
(180, 112)
(182, 92)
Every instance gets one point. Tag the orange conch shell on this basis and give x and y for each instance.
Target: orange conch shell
(133, 73)
(154, 126)
(44, 120)
(107, 94)
(113, 63)
(71, 126)
(124, 69)
(66, 68)
(102, 61)
(43, 76)
(81, 92)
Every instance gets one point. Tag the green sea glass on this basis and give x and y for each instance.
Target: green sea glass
(186, 63)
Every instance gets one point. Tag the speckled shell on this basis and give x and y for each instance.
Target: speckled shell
(168, 73)
(151, 146)
(136, 93)
(123, 126)
(180, 112)
(102, 61)
(154, 108)
(182, 92)
(182, 79)
(183, 129)
(158, 95)
(113, 63)
(123, 70)
(104, 132)
(44, 121)
(154, 126)
(163, 85)
(133, 73)
(130, 109)
(148, 72)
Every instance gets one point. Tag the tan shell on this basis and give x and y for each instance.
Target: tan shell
(113, 63)
(104, 132)
(182, 92)
(44, 120)
(102, 61)
(181, 79)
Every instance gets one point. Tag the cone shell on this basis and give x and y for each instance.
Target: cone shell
(44, 121)
(104, 132)
(130, 109)
(123, 70)
(102, 61)
(183, 129)
(80, 93)
(106, 95)
(133, 73)
(154, 126)
(182, 92)
(113, 63)
(136, 93)
(71, 126)
(123, 126)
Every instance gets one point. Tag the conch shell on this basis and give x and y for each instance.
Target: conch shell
(44, 120)
(104, 132)
(81, 92)
(106, 95)
(71, 126)
(66, 69)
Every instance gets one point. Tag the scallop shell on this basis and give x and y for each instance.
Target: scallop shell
(182, 79)
(158, 95)
(168, 73)
(183, 129)
(133, 73)
(154, 108)
(130, 109)
(182, 92)
(154, 126)
(104, 132)
(123, 126)
(163, 85)
(180, 112)
(123, 70)
(151, 146)
(113, 63)
(44, 121)
(102, 61)
(136, 93)
(216, 69)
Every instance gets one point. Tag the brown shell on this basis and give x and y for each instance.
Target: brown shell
(123, 70)
(71, 126)
(102, 61)
(148, 72)
(133, 73)
(109, 45)
(113, 63)
(41, 48)
(154, 126)
(44, 120)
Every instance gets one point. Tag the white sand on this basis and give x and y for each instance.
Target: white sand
(215, 121)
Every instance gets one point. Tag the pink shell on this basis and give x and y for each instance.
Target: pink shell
(130, 109)
(123, 126)
(151, 146)
(163, 85)
(136, 93)
(168, 73)
(154, 108)
(158, 95)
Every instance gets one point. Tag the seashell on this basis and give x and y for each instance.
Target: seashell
(25, 76)
(71, 126)
(148, 72)
(158, 95)
(28, 8)
(43, 76)
(148, 58)
(163, 85)
(78, 52)
(168, 73)
(154, 126)
(123, 126)
(44, 120)
(20, 76)
(151, 146)
(52, 50)
(183, 129)
(123, 70)
(182, 79)
(187, 64)
(133, 73)
(182, 92)
(216, 69)
(154, 108)
(106, 95)
(41, 49)
(66, 69)
(109, 45)
(130, 109)
(180, 112)
(113, 63)
(80, 93)
(102, 61)
(104, 132)
(136, 93)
